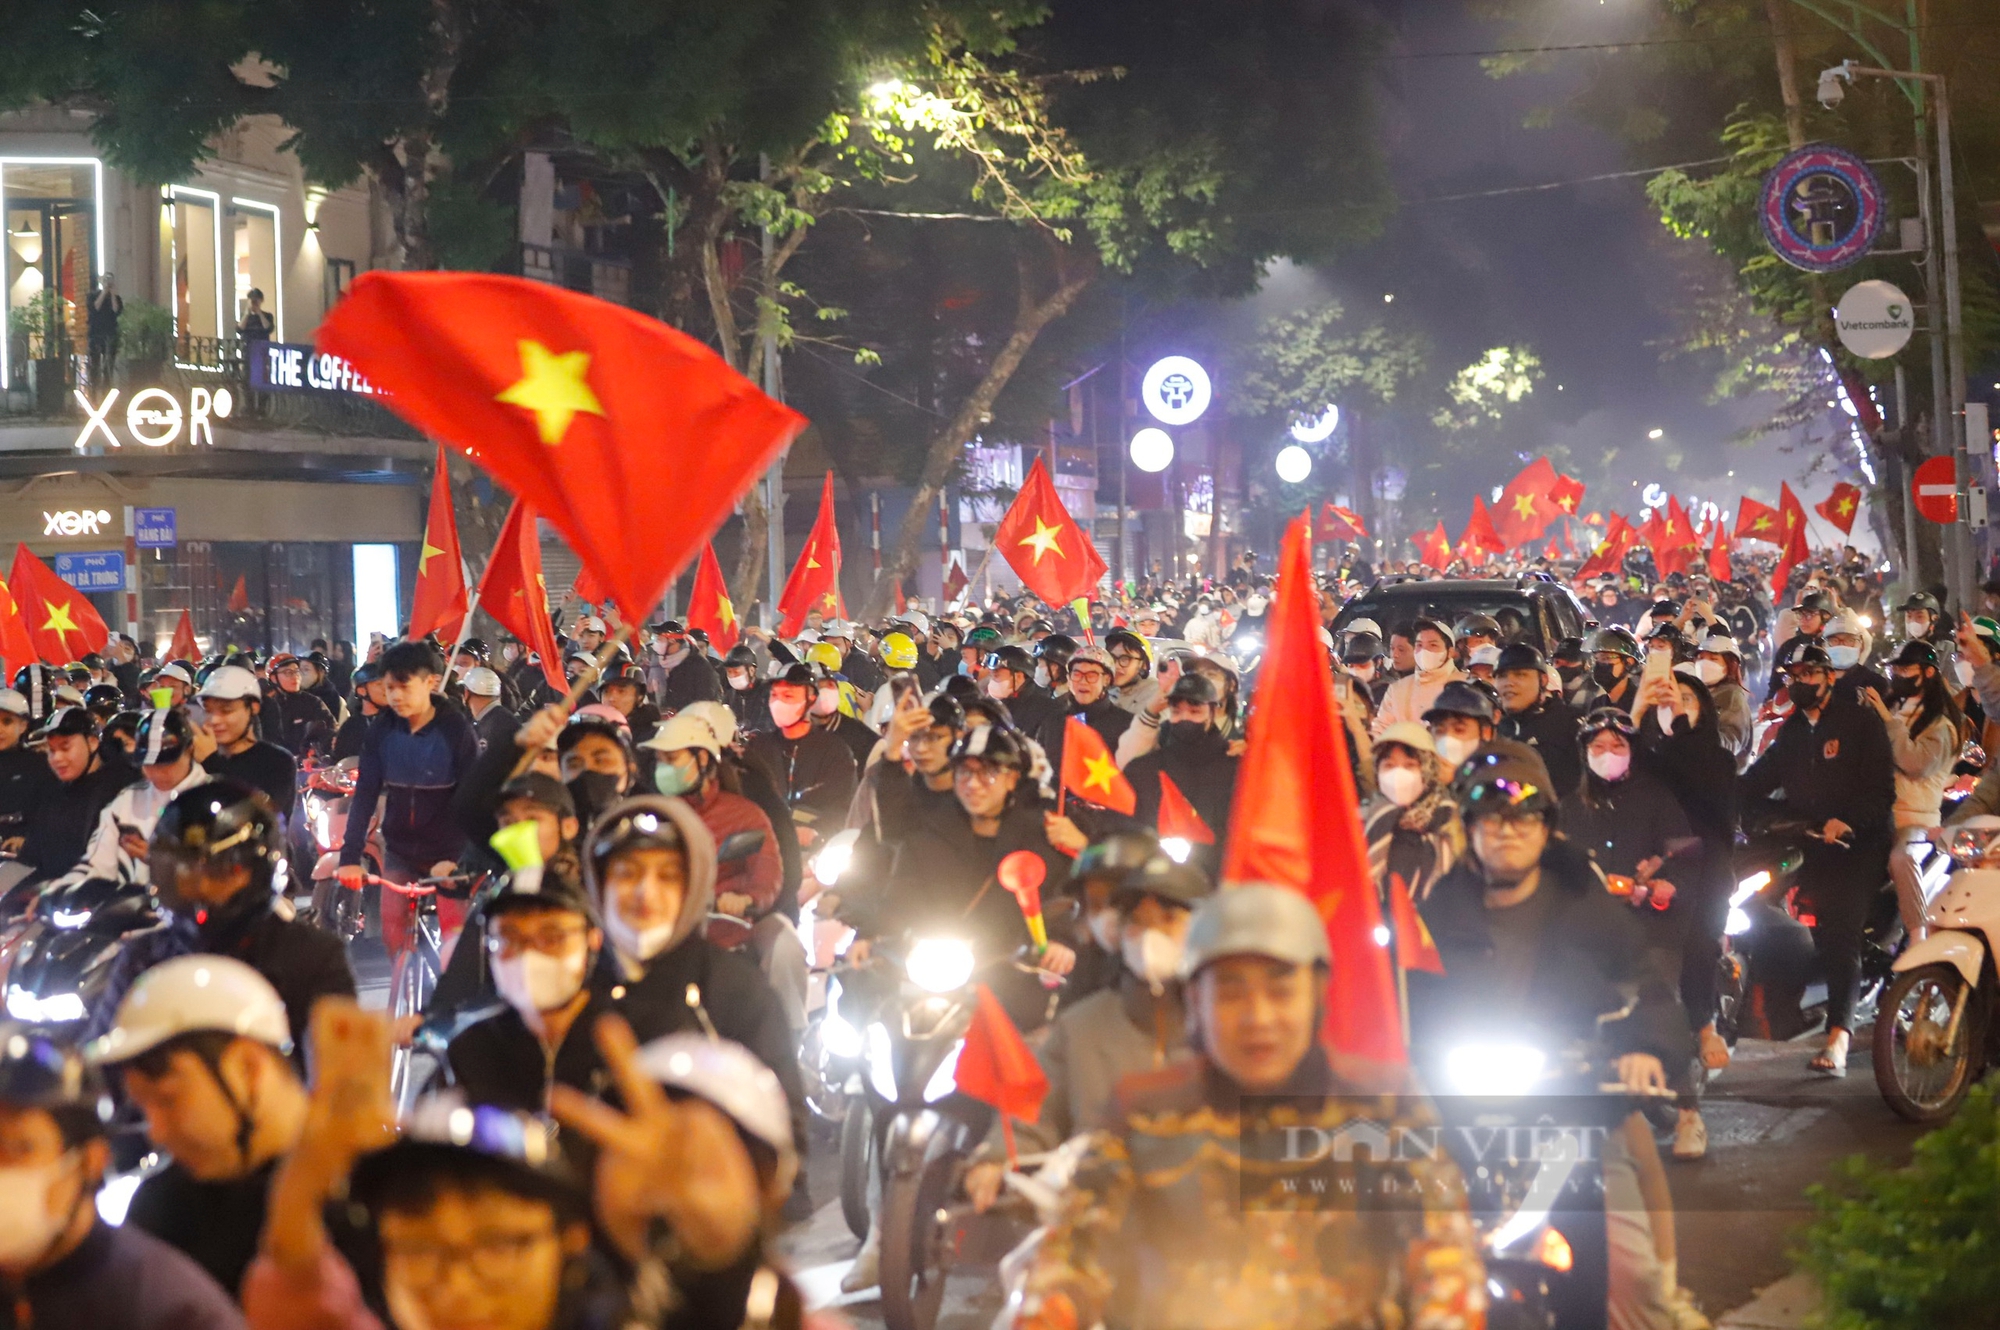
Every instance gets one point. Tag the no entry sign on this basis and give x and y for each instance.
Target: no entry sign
(1935, 489)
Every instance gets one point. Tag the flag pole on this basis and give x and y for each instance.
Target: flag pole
(577, 689)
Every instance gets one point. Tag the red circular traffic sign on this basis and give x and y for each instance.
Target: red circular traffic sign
(1935, 489)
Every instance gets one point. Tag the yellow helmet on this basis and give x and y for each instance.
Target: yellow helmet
(824, 654)
(899, 652)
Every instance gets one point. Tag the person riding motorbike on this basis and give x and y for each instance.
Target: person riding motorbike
(1364, 657)
(742, 692)
(814, 769)
(678, 672)
(624, 691)
(83, 780)
(1010, 678)
(202, 1046)
(1142, 1238)
(1848, 643)
(1535, 714)
(1614, 670)
(1132, 684)
(118, 846)
(1718, 664)
(299, 722)
(1091, 670)
(1189, 750)
(213, 862)
(23, 771)
(1461, 720)
(1923, 730)
(910, 785)
(1096, 876)
(1410, 697)
(61, 1264)
(1412, 827)
(1809, 618)
(1831, 764)
(231, 703)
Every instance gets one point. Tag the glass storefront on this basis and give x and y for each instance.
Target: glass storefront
(280, 595)
(49, 261)
(197, 273)
(254, 227)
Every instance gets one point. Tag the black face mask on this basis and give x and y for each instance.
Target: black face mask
(1902, 689)
(1606, 674)
(1569, 674)
(1176, 733)
(1806, 696)
(593, 791)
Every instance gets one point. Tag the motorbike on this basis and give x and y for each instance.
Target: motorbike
(1934, 1030)
(61, 961)
(1528, 1127)
(924, 1129)
(325, 798)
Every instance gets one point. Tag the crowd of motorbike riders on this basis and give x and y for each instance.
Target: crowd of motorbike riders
(617, 1118)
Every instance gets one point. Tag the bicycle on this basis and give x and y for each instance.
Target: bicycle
(416, 969)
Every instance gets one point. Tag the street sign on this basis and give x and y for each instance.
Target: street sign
(1935, 489)
(1875, 320)
(153, 528)
(1821, 208)
(99, 571)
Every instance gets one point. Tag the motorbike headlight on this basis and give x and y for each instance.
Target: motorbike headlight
(69, 918)
(25, 1006)
(881, 1061)
(1738, 922)
(939, 964)
(114, 1198)
(838, 1038)
(944, 1080)
(835, 856)
(1177, 848)
(1494, 1070)
(1750, 886)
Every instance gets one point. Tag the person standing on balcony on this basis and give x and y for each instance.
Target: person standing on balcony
(255, 328)
(105, 307)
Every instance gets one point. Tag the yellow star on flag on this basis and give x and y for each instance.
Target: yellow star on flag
(1567, 503)
(1761, 524)
(1044, 539)
(1099, 772)
(725, 612)
(1668, 529)
(424, 555)
(60, 622)
(554, 387)
(1524, 505)
(1845, 506)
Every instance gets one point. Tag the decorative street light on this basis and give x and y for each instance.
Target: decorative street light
(1152, 450)
(1176, 390)
(1294, 464)
(1319, 430)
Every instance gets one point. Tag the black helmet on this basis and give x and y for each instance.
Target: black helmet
(1504, 776)
(37, 1071)
(1476, 625)
(634, 824)
(1174, 882)
(1614, 639)
(1807, 653)
(164, 736)
(38, 684)
(104, 700)
(67, 720)
(218, 824)
(998, 745)
(1816, 601)
(1055, 650)
(1569, 651)
(960, 688)
(1916, 651)
(1520, 656)
(1462, 698)
(364, 675)
(740, 657)
(1602, 719)
(122, 728)
(519, 1151)
(993, 709)
(1357, 648)
(1012, 658)
(946, 711)
(1920, 600)
(803, 673)
(476, 648)
(581, 727)
(1191, 687)
(1117, 855)
(625, 672)
(1669, 631)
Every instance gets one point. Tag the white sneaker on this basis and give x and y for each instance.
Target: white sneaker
(866, 1272)
(1690, 1135)
(1687, 1316)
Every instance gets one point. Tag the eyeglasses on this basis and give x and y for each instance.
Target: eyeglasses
(550, 939)
(492, 1257)
(1125, 657)
(979, 773)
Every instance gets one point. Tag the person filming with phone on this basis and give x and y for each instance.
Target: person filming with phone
(1832, 766)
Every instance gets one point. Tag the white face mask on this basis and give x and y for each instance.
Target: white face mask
(999, 686)
(1843, 657)
(1452, 749)
(1710, 672)
(1428, 659)
(1104, 929)
(1916, 625)
(639, 944)
(1665, 717)
(1042, 676)
(1962, 670)
(533, 981)
(28, 1226)
(1365, 673)
(1611, 766)
(826, 702)
(1483, 655)
(1400, 785)
(740, 680)
(786, 712)
(1152, 955)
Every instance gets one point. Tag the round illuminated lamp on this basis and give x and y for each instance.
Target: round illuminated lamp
(1176, 390)
(1152, 449)
(1318, 430)
(1294, 464)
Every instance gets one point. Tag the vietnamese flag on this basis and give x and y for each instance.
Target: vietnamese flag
(1416, 949)
(1609, 556)
(17, 647)
(1178, 818)
(633, 439)
(1434, 548)
(184, 647)
(709, 607)
(1791, 513)
(513, 593)
(1090, 773)
(61, 623)
(1567, 494)
(588, 589)
(996, 1066)
(1480, 537)
(1338, 523)
(1043, 544)
(1838, 507)
(815, 580)
(1679, 537)
(1297, 822)
(439, 602)
(1758, 521)
(1718, 556)
(239, 596)
(955, 580)
(1524, 510)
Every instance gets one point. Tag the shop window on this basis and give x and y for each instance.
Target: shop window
(48, 262)
(339, 276)
(197, 274)
(254, 228)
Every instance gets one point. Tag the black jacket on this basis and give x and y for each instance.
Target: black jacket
(1201, 769)
(302, 962)
(296, 722)
(860, 740)
(1105, 716)
(815, 773)
(63, 817)
(693, 680)
(125, 1278)
(263, 766)
(1549, 727)
(495, 727)
(500, 1061)
(1618, 825)
(944, 878)
(24, 778)
(1032, 706)
(217, 1224)
(1590, 962)
(1843, 767)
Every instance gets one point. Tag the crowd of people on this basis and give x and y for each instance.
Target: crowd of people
(617, 1118)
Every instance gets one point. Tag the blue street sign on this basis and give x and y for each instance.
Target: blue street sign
(153, 528)
(101, 571)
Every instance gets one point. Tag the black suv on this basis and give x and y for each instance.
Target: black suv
(1533, 608)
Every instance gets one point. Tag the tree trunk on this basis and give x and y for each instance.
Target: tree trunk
(1788, 73)
(949, 442)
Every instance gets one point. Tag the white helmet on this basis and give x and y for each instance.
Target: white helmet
(232, 682)
(482, 682)
(190, 995)
(733, 1079)
(719, 717)
(682, 731)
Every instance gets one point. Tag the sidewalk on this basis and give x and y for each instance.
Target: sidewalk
(1784, 1305)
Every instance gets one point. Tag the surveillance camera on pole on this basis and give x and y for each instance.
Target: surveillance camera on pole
(1831, 94)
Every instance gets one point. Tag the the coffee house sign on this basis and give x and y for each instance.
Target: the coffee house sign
(154, 417)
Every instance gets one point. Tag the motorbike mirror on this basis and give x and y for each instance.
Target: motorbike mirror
(739, 845)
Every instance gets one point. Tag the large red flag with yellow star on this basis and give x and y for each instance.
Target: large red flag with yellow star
(514, 593)
(1090, 772)
(1044, 545)
(16, 647)
(1758, 521)
(62, 624)
(1480, 537)
(1567, 494)
(1435, 548)
(709, 607)
(1839, 507)
(439, 602)
(1525, 508)
(633, 439)
(815, 580)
